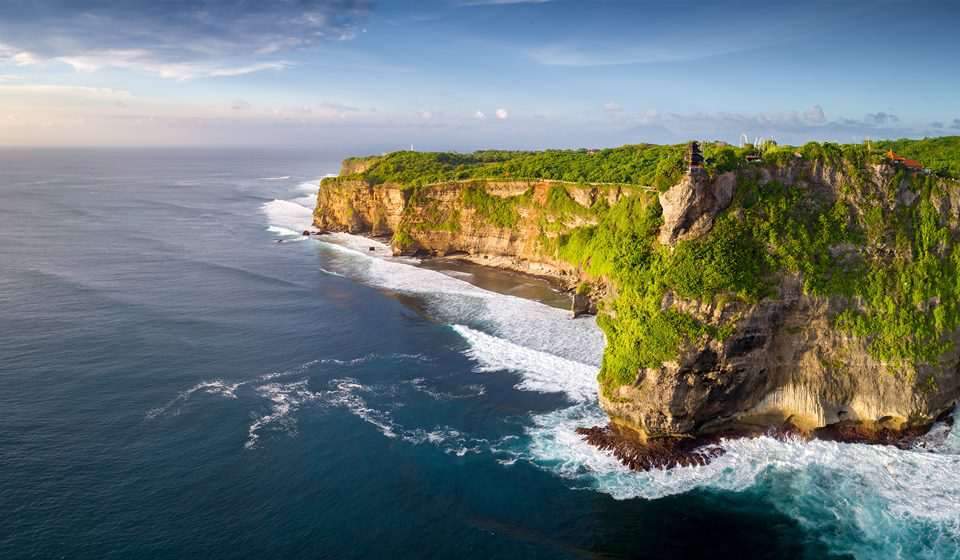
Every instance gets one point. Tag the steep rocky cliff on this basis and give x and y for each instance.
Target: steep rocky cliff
(508, 224)
(811, 291)
(795, 355)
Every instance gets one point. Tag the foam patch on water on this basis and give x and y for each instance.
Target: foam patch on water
(542, 372)
(348, 393)
(284, 398)
(283, 178)
(421, 385)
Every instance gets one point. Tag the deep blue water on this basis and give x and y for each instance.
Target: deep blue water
(175, 383)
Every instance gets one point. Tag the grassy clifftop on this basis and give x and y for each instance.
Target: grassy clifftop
(643, 164)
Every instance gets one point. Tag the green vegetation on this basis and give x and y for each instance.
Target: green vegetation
(643, 164)
(892, 270)
(641, 331)
(942, 155)
(500, 211)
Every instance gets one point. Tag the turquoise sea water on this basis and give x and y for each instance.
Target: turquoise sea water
(182, 375)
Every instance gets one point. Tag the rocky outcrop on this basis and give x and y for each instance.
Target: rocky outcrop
(690, 206)
(785, 362)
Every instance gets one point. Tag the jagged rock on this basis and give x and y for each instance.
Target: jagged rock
(581, 305)
(690, 206)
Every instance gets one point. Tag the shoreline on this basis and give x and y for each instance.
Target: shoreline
(497, 273)
(670, 452)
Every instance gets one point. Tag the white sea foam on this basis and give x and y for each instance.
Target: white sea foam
(542, 372)
(523, 322)
(284, 399)
(283, 178)
(288, 215)
(215, 387)
(349, 394)
(466, 392)
(284, 232)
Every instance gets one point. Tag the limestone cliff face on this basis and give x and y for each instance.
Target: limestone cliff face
(440, 220)
(690, 207)
(786, 360)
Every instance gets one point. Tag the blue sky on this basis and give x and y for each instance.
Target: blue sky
(466, 74)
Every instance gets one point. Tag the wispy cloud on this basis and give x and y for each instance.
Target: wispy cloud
(66, 91)
(146, 61)
(181, 40)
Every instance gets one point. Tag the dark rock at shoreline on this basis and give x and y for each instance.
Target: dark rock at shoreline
(667, 453)
(661, 453)
(581, 305)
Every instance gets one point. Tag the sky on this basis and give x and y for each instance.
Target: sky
(365, 75)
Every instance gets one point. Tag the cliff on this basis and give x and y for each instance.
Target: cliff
(511, 224)
(819, 289)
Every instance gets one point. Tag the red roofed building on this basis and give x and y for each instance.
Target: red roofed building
(900, 160)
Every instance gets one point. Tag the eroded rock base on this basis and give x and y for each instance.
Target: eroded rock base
(667, 453)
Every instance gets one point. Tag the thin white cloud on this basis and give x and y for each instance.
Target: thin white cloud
(145, 61)
(250, 69)
(480, 115)
(502, 114)
(64, 90)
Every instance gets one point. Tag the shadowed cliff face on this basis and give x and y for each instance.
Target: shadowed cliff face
(781, 357)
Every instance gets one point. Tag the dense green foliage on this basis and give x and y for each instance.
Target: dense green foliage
(942, 155)
(641, 331)
(637, 165)
(903, 305)
(912, 298)
(500, 211)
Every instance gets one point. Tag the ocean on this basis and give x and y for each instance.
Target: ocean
(183, 375)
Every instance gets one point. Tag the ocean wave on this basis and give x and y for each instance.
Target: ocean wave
(521, 321)
(540, 371)
(870, 501)
(288, 215)
(283, 178)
